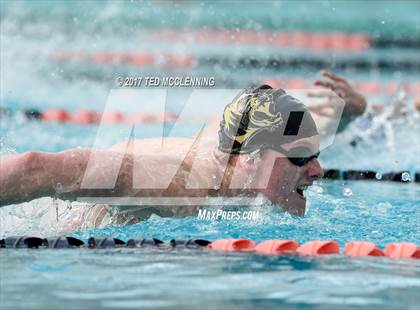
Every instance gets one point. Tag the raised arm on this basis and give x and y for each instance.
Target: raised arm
(355, 103)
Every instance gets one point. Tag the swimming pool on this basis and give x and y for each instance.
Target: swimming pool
(131, 278)
(380, 212)
(57, 279)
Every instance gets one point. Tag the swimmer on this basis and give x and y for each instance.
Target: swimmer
(251, 156)
(377, 123)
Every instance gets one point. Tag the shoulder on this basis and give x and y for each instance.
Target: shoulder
(153, 145)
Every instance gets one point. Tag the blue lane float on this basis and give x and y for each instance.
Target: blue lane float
(189, 243)
(18, 242)
(105, 243)
(144, 242)
(63, 242)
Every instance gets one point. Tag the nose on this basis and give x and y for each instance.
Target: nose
(315, 170)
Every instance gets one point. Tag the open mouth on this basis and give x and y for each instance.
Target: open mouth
(300, 190)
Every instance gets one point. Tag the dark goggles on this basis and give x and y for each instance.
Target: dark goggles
(298, 156)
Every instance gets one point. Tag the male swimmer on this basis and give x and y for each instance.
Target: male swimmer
(260, 150)
(377, 123)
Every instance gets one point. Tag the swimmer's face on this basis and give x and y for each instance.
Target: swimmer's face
(286, 181)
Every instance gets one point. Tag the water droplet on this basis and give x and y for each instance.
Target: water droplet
(378, 176)
(317, 189)
(375, 233)
(347, 192)
(406, 177)
(383, 207)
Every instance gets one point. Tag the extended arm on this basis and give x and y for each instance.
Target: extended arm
(31, 175)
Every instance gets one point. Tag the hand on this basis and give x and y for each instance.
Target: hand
(355, 103)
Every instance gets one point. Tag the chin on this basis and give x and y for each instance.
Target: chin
(295, 204)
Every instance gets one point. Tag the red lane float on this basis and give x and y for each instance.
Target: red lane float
(86, 117)
(92, 117)
(178, 61)
(299, 39)
(125, 58)
(112, 117)
(402, 250)
(152, 118)
(55, 115)
(360, 248)
(137, 58)
(277, 247)
(233, 245)
(366, 87)
(318, 247)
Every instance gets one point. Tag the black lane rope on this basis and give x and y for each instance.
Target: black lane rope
(399, 42)
(17, 242)
(282, 63)
(369, 175)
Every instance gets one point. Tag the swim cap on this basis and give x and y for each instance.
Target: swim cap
(261, 118)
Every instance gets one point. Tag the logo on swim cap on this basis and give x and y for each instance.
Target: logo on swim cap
(253, 112)
(256, 119)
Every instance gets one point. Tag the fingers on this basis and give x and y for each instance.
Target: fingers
(325, 84)
(333, 76)
(335, 87)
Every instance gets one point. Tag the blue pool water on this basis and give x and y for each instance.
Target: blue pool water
(127, 279)
(132, 279)
(344, 211)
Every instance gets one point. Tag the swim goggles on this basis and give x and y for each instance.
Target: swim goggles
(298, 156)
